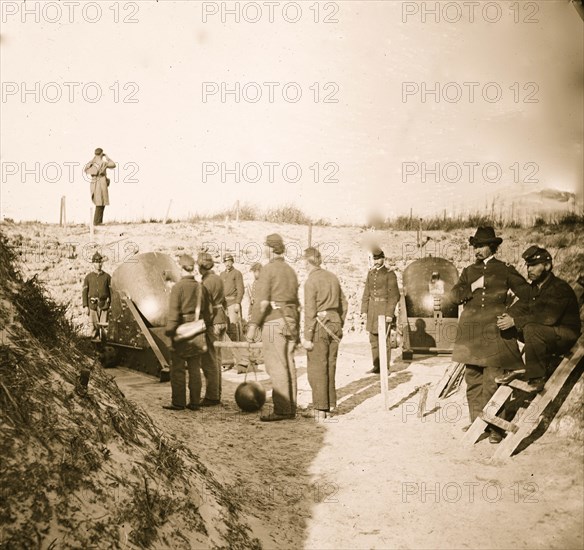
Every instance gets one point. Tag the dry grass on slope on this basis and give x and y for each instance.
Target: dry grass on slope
(86, 471)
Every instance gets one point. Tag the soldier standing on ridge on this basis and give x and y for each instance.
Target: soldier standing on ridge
(276, 312)
(325, 309)
(97, 295)
(211, 360)
(380, 297)
(97, 169)
(233, 287)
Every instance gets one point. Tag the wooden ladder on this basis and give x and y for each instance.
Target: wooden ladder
(528, 419)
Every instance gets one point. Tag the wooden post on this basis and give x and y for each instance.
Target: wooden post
(167, 212)
(309, 234)
(383, 366)
(63, 213)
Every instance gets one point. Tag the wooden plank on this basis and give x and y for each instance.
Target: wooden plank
(533, 414)
(383, 366)
(499, 422)
(423, 398)
(146, 332)
(443, 351)
(407, 352)
(491, 409)
(231, 344)
(443, 382)
(521, 386)
(456, 375)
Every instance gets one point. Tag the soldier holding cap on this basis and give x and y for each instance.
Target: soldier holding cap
(97, 294)
(380, 296)
(212, 359)
(548, 321)
(276, 312)
(325, 309)
(97, 169)
(233, 287)
(480, 345)
(182, 307)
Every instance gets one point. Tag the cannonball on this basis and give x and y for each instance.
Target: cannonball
(250, 396)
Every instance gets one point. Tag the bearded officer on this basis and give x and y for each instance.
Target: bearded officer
(548, 322)
(276, 312)
(485, 350)
(380, 297)
(325, 309)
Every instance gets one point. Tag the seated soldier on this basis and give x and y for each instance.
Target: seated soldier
(548, 323)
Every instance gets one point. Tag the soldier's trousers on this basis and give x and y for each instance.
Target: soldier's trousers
(234, 323)
(178, 371)
(322, 367)
(97, 318)
(542, 341)
(98, 215)
(373, 340)
(480, 387)
(278, 342)
(211, 365)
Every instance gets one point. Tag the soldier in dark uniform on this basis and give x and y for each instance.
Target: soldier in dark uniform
(482, 288)
(325, 309)
(276, 312)
(212, 359)
(233, 287)
(182, 308)
(548, 321)
(97, 295)
(380, 297)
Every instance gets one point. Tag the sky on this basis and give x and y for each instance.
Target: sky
(365, 135)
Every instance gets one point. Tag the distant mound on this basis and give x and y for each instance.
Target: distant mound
(89, 469)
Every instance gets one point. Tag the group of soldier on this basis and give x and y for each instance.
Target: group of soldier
(542, 313)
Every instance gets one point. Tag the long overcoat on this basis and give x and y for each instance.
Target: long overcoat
(98, 187)
(478, 340)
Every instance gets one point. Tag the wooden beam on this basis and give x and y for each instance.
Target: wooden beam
(383, 366)
(499, 422)
(531, 418)
(407, 352)
(146, 332)
(245, 345)
(492, 408)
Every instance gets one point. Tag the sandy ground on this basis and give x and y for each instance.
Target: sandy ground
(369, 478)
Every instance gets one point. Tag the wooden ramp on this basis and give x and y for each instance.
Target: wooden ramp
(526, 419)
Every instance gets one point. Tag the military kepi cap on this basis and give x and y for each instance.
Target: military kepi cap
(313, 255)
(98, 258)
(99, 151)
(377, 254)
(484, 236)
(536, 255)
(185, 260)
(228, 257)
(275, 242)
